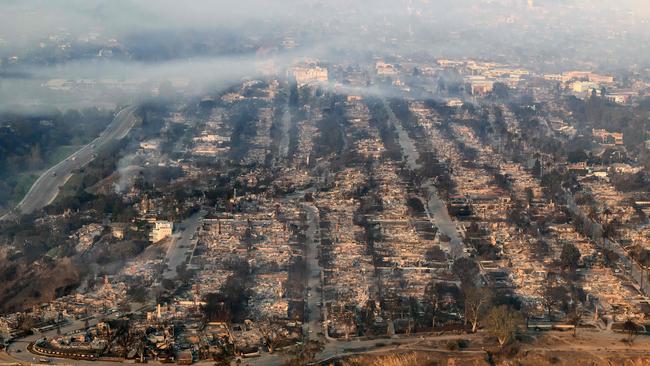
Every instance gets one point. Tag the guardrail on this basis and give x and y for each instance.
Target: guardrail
(75, 355)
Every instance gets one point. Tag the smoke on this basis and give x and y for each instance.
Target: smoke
(134, 45)
(127, 169)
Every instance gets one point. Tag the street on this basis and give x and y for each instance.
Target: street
(46, 187)
(435, 207)
(314, 326)
(181, 245)
(17, 350)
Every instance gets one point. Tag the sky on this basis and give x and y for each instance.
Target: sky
(223, 41)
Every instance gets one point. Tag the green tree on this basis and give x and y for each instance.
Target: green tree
(501, 90)
(467, 271)
(35, 157)
(570, 257)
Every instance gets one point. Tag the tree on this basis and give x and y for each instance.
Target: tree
(249, 237)
(138, 293)
(414, 313)
(503, 322)
(575, 317)
(537, 168)
(435, 292)
(168, 284)
(435, 254)
(476, 300)
(348, 323)
(554, 295)
(27, 322)
(577, 156)
(272, 333)
(570, 257)
(530, 195)
(501, 90)
(540, 249)
(35, 160)
(304, 353)
(466, 269)
(368, 316)
(632, 329)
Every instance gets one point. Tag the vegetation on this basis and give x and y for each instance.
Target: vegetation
(29, 143)
(631, 328)
(504, 323)
(570, 257)
(467, 270)
(304, 353)
(477, 300)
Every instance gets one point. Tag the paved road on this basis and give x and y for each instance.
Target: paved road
(46, 187)
(178, 251)
(314, 326)
(182, 243)
(284, 135)
(631, 267)
(436, 207)
(17, 351)
(346, 348)
(444, 222)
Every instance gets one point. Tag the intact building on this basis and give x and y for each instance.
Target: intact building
(160, 231)
(309, 73)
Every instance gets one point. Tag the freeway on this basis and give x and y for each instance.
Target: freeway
(46, 187)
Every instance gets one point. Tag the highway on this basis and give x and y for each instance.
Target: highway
(46, 187)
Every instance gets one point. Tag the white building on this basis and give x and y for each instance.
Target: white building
(161, 230)
(309, 74)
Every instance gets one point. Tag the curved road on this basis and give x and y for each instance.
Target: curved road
(17, 351)
(46, 187)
